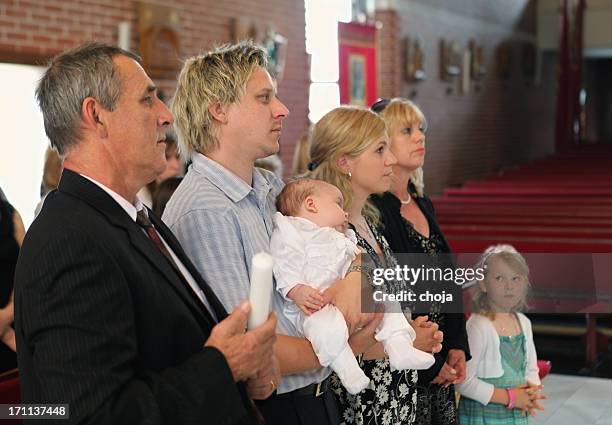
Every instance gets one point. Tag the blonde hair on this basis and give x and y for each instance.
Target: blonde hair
(217, 76)
(301, 155)
(346, 130)
(402, 112)
(480, 300)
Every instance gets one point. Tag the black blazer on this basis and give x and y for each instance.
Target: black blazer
(395, 231)
(105, 324)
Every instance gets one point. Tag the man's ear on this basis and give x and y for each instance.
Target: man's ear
(218, 112)
(311, 205)
(93, 116)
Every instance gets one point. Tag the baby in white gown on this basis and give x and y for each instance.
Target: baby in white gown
(312, 248)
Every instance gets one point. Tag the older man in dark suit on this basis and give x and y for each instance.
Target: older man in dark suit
(111, 316)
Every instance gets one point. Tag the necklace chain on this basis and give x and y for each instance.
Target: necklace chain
(407, 201)
(503, 328)
(362, 225)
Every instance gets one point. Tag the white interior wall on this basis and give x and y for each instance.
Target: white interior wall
(23, 139)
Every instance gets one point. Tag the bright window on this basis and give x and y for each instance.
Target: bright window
(322, 17)
(23, 138)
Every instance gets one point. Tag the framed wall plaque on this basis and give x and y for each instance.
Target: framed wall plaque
(477, 66)
(357, 79)
(358, 63)
(414, 59)
(450, 60)
(159, 39)
(276, 45)
(244, 28)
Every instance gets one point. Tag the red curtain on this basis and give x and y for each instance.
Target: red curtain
(570, 74)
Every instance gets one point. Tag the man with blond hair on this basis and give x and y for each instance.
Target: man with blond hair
(228, 116)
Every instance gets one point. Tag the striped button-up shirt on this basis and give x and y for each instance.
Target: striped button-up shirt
(221, 223)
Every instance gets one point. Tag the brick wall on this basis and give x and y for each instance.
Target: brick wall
(31, 31)
(389, 48)
(498, 122)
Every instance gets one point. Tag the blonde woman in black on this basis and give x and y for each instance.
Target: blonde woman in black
(409, 225)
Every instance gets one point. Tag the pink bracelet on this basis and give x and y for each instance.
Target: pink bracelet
(511, 398)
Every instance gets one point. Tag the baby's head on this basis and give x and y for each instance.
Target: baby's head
(314, 200)
(505, 284)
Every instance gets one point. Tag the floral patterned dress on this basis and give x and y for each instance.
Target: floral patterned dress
(435, 404)
(391, 397)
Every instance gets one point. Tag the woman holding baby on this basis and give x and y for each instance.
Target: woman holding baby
(350, 149)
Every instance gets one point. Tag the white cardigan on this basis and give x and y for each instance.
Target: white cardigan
(486, 357)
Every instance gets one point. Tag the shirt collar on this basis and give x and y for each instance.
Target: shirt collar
(128, 207)
(229, 183)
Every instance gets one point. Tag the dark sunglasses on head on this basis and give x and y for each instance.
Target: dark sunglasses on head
(380, 105)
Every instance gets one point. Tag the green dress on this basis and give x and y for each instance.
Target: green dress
(513, 359)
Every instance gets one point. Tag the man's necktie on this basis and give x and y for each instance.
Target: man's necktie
(143, 221)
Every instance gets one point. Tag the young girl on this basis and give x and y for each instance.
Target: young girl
(502, 385)
(312, 248)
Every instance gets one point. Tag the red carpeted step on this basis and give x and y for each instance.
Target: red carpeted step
(522, 200)
(518, 207)
(525, 212)
(561, 203)
(559, 174)
(519, 221)
(476, 244)
(527, 231)
(543, 184)
(526, 191)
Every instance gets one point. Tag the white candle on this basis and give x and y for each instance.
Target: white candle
(261, 289)
(123, 38)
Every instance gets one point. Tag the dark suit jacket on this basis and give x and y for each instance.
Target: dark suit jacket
(105, 324)
(394, 230)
